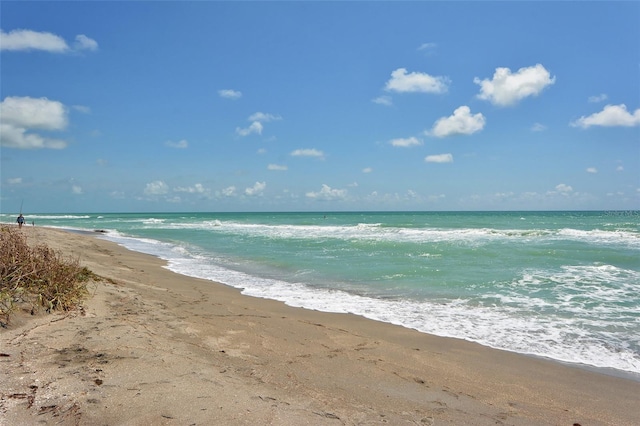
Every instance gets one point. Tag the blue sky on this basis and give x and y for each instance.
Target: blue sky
(287, 106)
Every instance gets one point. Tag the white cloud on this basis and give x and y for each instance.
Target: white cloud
(428, 48)
(32, 40)
(592, 170)
(229, 191)
(255, 127)
(38, 113)
(537, 127)
(619, 169)
(230, 94)
(439, 158)
(256, 189)
(307, 153)
(367, 170)
(599, 98)
(277, 167)
(14, 181)
(264, 118)
(383, 100)
(611, 115)
(404, 82)
(198, 188)
(507, 89)
(460, 123)
(76, 189)
(563, 189)
(406, 142)
(25, 40)
(327, 193)
(157, 187)
(82, 108)
(182, 144)
(20, 115)
(85, 43)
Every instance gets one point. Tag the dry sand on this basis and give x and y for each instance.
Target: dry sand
(156, 348)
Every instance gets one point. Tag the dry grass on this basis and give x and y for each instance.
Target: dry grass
(37, 277)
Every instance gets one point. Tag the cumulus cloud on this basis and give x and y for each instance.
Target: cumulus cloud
(277, 167)
(76, 189)
(19, 116)
(506, 89)
(308, 153)
(181, 144)
(327, 193)
(256, 189)
(25, 40)
(405, 142)
(462, 122)
(403, 82)
(367, 170)
(157, 187)
(14, 181)
(229, 191)
(439, 158)
(230, 94)
(563, 189)
(255, 127)
(198, 188)
(592, 170)
(610, 116)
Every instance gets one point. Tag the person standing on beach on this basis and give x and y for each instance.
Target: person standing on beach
(20, 220)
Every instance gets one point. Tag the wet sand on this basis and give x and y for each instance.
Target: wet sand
(151, 347)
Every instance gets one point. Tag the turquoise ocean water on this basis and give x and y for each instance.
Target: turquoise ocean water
(561, 285)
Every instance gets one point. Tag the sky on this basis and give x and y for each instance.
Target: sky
(158, 106)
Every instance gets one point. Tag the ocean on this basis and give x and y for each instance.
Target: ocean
(559, 285)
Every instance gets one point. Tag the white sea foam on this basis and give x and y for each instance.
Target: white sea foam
(376, 232)
(512, 324)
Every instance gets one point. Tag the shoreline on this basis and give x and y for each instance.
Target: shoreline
(157, 347)
(609, 371)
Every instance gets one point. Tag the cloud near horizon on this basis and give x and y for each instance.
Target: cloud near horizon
(327, 193)
(256, 190)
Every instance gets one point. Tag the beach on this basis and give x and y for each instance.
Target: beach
(152, 347)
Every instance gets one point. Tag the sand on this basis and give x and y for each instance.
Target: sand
(151, 347)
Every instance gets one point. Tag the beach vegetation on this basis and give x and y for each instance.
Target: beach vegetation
(36, 277)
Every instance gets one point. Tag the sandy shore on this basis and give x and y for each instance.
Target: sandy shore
(156, 348)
